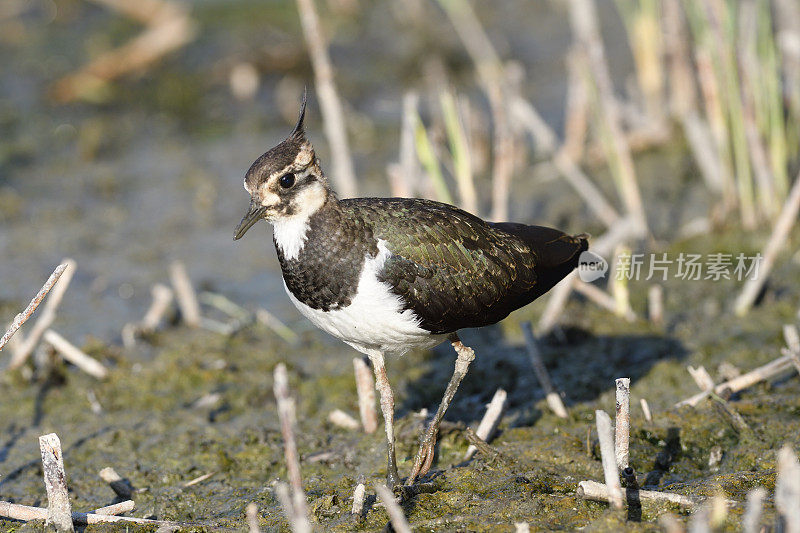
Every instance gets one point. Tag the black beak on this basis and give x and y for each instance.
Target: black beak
(253, 215)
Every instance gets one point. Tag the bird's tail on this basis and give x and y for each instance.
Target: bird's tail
(557, 253)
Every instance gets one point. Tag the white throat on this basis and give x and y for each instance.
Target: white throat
(290, 235)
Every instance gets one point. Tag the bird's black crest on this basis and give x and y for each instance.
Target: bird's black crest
(298, 131)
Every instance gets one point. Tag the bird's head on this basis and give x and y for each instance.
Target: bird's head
(285, 182)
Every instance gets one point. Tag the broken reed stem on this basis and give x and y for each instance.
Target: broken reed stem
(75, 355)
(330, 104)
(553, 398)
(407, 181)
(162, 298)
(592, 490)
(27, 513)
(251, 514)
(187, 298)
(121, 488)
(646, 410)
(602, 298)
(792, 337)
(365, 388)
(117, 508)
(787, 490)
(358, 499)
(272, 322)
(620, 274)
(751, 520)
(59, 514)
(198, 480)
(622, 421)
(785, 222)
(490, 420)
(286, 413)
(606, 435)
(655, 304)
(396, 516)
(337, 417)
(46, 318)
(773, 368)
(22, 317)
(701, 377)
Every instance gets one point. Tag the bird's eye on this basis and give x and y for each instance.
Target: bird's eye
(287, 180)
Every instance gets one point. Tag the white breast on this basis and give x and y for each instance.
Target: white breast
(290, 235)
(375, 319)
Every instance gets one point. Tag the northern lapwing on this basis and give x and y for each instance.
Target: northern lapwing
(386, 275)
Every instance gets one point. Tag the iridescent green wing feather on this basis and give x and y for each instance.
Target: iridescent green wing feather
(451, 268)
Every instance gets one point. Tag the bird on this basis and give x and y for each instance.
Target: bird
(387, 275)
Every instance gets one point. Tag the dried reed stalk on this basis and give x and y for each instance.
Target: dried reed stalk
(701, 377)
(583, 19)
(187, 298)
(404, 177)
(298, 510)
(646, 410)
(75, 355)
(162, 298)
(162, 35)
(396, 516)
(46, 317)
(27, 513)
(771, 369)
(606, 435)
(251, 514)
(365, 388)
(751, 520)
(602, 298)
(329, 101)
(622, 421)
(116, 508)
(592, 490)
(493, 79)
(272, 322)
(553, 398)
(655, 304)
(787, 490)
(121, 487)
(358, 500)
(489, 422)
(460, 150)
(22, 317)
(783, 225)
(59, 514)
(337, 417)
(787, 20)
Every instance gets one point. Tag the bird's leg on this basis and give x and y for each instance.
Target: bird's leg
(424, 458)
(387, 407)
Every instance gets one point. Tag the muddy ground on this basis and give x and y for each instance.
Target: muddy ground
(153, 173)
(154, 433)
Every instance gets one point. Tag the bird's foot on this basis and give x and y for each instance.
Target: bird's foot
(424, 458)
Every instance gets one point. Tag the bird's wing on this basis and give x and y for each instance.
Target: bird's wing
(451, 268)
